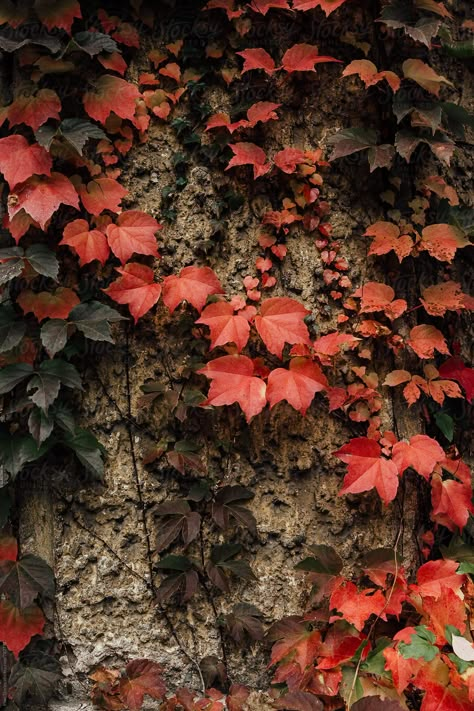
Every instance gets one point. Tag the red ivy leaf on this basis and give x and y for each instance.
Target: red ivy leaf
(134, 232)
(356, 607)
(387, 238)
(17, 626)
(34, 108)
(367, 71)
(142, 678)
(102, 194)
(425, 340)
(298, 385)
(8, 547)
(436, 576)
(249, 154)
(451, 501)
(89, 244)
(111, 94)
(233, 380)
(194, 284)
(288, 158)
(226, 325)
(58, 13)
(135, 287)
(422, 454)
(441, 241)
(257, 59)
(455, 369)
(49, 304)
(327, 6)
(303, 57)
(281, 320)
(263, 6)
(262, 111)
(19, 161)
(443, 297)
(41, 197)
(368, 469)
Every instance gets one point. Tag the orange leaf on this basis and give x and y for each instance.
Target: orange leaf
(194, 284)
(281, 320)
(303, 57)
(233, 380)
(356, 607)
(249, 154)
(443, 297)
(387, 238)
(19, 160)
(368, 469)
(422, 454)
(424, 75)
(102, 194)
(48, 304)
(135, 287)
(111, 94)
(257, 59)
(442, 241)
(368, 72)
(424, 340)
(41, 197)
(134, 232)
(298, 385)
(226, 325)
(89, 244)
(327, 6)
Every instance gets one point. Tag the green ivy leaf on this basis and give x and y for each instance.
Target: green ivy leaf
(325, 561)
(65, 372)
(23, 580)
(93, 320)
(12, 329)
(13, 266)
(54, 335)
(34, 678)
(13, 375)
(87, 449)
(446, 424)
(43, 260)
(75, 131)
(352, 140)
(16, 451)
(40, 425)
(421, 646)
(94, 43)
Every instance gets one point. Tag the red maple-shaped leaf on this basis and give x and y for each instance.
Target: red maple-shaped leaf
(136, 287)
(102, 194)
(249, 154)
(89, 244)
(263, 6)
(436, 576)
(142, 678)
(48, 304)
(295, 642)
(367, 468)
(194, 285)
(17, 626)
(451, 501)
(455, 369)
(298, 385)
(387, 238)
(327, 6)
(111, 94)
(19, 161)
(40, 197)
(303, 57)
(357, 606)
(442, 240)
(281, 320)
(422, 454)
(448, 609)
(34, 108)
(134, 232)
(367, 71)
(425, 340)
(330, 345)
(402, 669)
(257, 59)
(262, 112)
(288, 159)
(434, 677)
(226, 325)
(59, 14)
(443, 297)
(233, 380)
(340, 645)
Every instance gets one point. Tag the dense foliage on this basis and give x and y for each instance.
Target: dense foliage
(74, 263)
